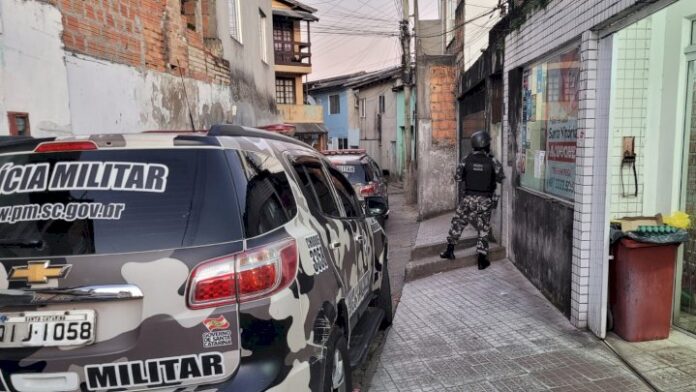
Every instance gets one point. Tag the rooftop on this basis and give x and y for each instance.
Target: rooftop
(354, 80)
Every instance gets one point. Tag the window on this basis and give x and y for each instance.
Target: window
(334, 104)
(346, 193)
(283, 41)
(361, 104)
(342, 143)
(263, 192)
(450, 10)
(19, 123)
(195, 207)
(693, 32)
(376, 168)
(316, 188)
(235, 21)
(285, 91)
(188, 11)
(381, 104)
(548, 134)
(263, 37)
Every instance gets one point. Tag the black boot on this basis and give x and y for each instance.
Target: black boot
(448, 253)
(483, 262)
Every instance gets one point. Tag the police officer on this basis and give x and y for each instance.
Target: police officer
(480, 172)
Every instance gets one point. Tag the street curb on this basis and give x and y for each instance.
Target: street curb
(417, 269)
(423, 251)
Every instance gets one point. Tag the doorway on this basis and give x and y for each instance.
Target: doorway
(685, 296)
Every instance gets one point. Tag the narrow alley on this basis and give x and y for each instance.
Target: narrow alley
(468, 330)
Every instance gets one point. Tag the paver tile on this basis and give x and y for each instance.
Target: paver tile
(470, 330)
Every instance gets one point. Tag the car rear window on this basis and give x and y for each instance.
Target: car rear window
(355, 172)
(109, 201)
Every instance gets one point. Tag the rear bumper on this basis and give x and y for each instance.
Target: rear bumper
(263, 375)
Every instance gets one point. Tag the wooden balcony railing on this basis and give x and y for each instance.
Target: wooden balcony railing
(300, 55)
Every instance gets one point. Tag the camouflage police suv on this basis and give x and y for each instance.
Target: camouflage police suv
(236, 260)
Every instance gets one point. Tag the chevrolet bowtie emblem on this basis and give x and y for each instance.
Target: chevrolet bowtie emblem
(38, 272)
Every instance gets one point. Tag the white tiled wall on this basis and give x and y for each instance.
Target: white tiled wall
(562, 22)
(629, 115)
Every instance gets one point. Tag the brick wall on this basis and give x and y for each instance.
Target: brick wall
(151, 34)
(442, 104)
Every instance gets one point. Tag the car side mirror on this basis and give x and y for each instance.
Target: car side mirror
(375, 206)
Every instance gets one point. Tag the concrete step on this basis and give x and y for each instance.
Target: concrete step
(421, 268)
(435, 248)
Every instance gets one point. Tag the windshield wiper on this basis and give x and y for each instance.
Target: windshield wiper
(21, 243)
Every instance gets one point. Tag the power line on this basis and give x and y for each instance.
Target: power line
(455, 28)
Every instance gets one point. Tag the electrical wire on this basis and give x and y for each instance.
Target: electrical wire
(466, 22)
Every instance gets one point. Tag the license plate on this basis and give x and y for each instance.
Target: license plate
(47, 329)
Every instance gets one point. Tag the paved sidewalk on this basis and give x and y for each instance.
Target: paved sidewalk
(470, 330)
(670, 364)
(401, 229)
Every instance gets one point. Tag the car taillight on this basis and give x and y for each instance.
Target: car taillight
(244, 276)
(368, 190)
(83, 145)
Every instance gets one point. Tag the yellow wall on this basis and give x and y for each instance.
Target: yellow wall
(299, 91)
(279, 5)
(293, 69)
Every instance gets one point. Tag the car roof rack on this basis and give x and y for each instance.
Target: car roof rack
(21, 143)
(240, 131)
(349, 151)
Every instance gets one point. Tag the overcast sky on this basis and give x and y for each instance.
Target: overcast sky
(352, 35)
(362, 35)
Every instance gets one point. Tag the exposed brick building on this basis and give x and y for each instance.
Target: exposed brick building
(131, 65)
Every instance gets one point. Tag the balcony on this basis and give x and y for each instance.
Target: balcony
(299, 114)
(299, 55)
(291, 42)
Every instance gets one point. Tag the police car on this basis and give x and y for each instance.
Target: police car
(237, 260)
(364, 173)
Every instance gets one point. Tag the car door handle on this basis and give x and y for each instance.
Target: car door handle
(335, 245)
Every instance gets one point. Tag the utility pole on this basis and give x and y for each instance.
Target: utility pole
(409, 181)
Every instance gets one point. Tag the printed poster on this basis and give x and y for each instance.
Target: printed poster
(561, 146)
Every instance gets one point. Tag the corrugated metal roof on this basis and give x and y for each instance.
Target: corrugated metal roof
(293, 14)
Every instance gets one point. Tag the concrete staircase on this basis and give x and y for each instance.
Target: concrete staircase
(432, 239)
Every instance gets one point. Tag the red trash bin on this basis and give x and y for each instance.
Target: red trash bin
(641, 281)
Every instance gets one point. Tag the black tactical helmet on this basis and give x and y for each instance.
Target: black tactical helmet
(480, 140)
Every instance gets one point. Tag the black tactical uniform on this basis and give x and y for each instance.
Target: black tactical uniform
(481, 173)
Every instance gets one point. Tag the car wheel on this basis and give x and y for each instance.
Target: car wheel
(384, 300)
(337, 374)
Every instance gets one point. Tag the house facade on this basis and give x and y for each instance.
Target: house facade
(365, 110)
(293, 62)
(378, 116)
(340, 109)
(90, 67)
(597, 124)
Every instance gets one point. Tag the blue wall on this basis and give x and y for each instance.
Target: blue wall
(337, 124)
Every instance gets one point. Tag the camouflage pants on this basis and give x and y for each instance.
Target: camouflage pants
(474, 211)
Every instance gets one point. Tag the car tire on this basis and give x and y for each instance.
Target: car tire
(337, 372)
(384, 299)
